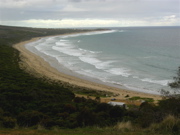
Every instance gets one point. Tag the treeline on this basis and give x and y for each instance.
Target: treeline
(28, 101)
(11, 35)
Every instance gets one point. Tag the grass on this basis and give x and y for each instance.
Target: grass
(170, 125)
(77, 131)
(124, 126)
(94, 93)
(141, 98)
(121, 128)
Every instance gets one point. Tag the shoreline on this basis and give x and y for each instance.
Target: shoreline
(34, 64)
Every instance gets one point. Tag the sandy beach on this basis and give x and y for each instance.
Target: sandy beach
(36, 65)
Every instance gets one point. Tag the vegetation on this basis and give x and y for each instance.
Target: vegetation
(77, 131)
(11, 35)
(49, 107)
(142, 99)
(94, 93)
(176, 83)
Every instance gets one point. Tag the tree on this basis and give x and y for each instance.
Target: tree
(176, 83)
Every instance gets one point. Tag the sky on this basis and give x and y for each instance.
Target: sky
(89, 13)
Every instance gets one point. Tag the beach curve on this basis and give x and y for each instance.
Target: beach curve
(36, 65)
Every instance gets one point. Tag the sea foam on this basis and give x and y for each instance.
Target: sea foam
(161, 82)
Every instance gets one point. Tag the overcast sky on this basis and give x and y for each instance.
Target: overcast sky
(89, 13)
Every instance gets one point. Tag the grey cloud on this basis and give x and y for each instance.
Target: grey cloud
(75, 0)
(87, 0)
(91, 9)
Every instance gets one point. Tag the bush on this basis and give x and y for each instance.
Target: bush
(30, 118)
(86, 117)
(170, 106)
(125, 126)
(9, 122)
(116, 112)
(170, 124)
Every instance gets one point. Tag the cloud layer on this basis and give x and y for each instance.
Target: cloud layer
(89, 13)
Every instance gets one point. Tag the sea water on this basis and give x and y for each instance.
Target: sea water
(143, 59)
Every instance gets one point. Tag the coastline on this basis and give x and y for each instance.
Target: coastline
(34, 64)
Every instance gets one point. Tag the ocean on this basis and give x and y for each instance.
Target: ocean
(143, 59)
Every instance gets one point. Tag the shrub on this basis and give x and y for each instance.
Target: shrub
(30, 118)
(9, 122)
(86, 117)
(170, 124)
(116, 112)
(124, 126)
(170, 106)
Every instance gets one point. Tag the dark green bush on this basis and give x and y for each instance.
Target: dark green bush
(30, 118)
(9, 122)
